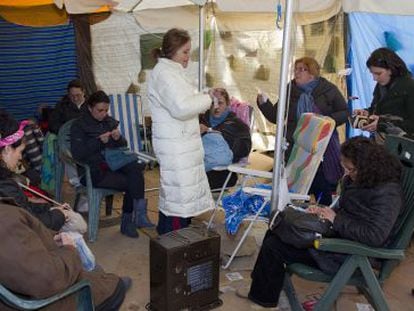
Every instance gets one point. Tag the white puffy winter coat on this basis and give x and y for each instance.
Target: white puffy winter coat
(175, 106)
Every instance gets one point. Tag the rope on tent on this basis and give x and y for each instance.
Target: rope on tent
(278, 14)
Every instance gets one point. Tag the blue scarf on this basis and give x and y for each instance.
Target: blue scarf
(214, 121)
(306, 101)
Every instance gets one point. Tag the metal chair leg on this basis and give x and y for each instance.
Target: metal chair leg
(246, 232)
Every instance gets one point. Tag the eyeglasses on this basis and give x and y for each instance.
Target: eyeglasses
(348, 170)
(301, 69)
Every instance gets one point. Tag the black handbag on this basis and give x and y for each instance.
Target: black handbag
(297, 227)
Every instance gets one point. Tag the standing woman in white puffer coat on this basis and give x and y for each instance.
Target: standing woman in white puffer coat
(175, 105)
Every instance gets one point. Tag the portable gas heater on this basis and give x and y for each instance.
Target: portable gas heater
(184, 270)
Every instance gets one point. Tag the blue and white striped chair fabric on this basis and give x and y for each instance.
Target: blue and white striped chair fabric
(127, 109)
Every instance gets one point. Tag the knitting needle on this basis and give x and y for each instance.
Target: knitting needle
(41, 195)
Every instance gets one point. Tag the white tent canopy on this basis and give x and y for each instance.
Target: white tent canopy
(398, 7)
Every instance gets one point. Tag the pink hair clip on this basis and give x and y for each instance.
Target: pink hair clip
(11, 139)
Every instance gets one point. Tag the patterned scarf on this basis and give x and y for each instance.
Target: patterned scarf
(306, 101)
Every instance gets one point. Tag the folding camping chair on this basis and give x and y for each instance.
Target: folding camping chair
(311, 138)
(128, 110)
(357, 270)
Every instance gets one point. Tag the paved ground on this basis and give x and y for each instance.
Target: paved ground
(126, 256)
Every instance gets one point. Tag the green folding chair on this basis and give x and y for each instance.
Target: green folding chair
(356, 270)
(95, 195)
(82, 290)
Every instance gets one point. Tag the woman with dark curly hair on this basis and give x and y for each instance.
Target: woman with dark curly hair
(393, 99)
(371, 200)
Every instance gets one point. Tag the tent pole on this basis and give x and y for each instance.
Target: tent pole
(201, 23)
(281, 107)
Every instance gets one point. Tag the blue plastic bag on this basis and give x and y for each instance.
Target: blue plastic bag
(240, 205)
(85, 254)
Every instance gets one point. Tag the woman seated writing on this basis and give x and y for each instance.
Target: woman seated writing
(91, 134)
(371, 200)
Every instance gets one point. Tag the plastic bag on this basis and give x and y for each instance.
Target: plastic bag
(75, 223)
(240, 205)
(86, 256)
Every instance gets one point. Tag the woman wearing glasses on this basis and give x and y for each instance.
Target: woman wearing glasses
(309, 92)
(393, 95)
(371, 200)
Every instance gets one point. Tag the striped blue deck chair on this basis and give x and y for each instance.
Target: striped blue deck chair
(127, 109)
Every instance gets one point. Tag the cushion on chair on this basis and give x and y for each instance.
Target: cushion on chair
(313, 131)
(242, 110)
(311, 138)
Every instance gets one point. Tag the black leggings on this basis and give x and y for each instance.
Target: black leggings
(129, 178)
(269, 271)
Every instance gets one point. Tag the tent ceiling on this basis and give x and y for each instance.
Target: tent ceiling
(401, 7)
(55, 10)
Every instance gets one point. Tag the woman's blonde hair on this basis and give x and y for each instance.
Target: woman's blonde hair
(311, 64)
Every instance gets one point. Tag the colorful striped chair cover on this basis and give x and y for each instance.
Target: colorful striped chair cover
(311, 139)
(127, 109)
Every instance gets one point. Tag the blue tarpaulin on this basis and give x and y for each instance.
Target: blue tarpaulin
(36, 65)
(368, 32)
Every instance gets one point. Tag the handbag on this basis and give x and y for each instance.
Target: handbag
(297, 227)
(119, 157)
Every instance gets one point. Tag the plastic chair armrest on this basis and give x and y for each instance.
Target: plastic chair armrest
(355, 248)
(13, 300)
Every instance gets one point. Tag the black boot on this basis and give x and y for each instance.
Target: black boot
(127, 226)
(140, 214)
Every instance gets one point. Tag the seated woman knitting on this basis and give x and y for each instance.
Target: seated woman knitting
(57, 218)
(370, 202)
(91, 135)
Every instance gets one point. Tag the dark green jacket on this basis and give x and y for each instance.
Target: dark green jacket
(397, 101)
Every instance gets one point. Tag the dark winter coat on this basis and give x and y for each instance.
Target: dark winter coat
(365, 215)
(52, 219)
(398, 100)
(86, 146)
(327, 98)
(64, 111)
(235, 132)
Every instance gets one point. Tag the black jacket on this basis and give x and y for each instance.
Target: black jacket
(365, 215)
(52, 219)
(327, 98)
(398, 100)
(64, 111)
(235, 132)
(87, 148)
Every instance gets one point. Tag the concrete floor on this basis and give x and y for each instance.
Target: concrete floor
(125, 256)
